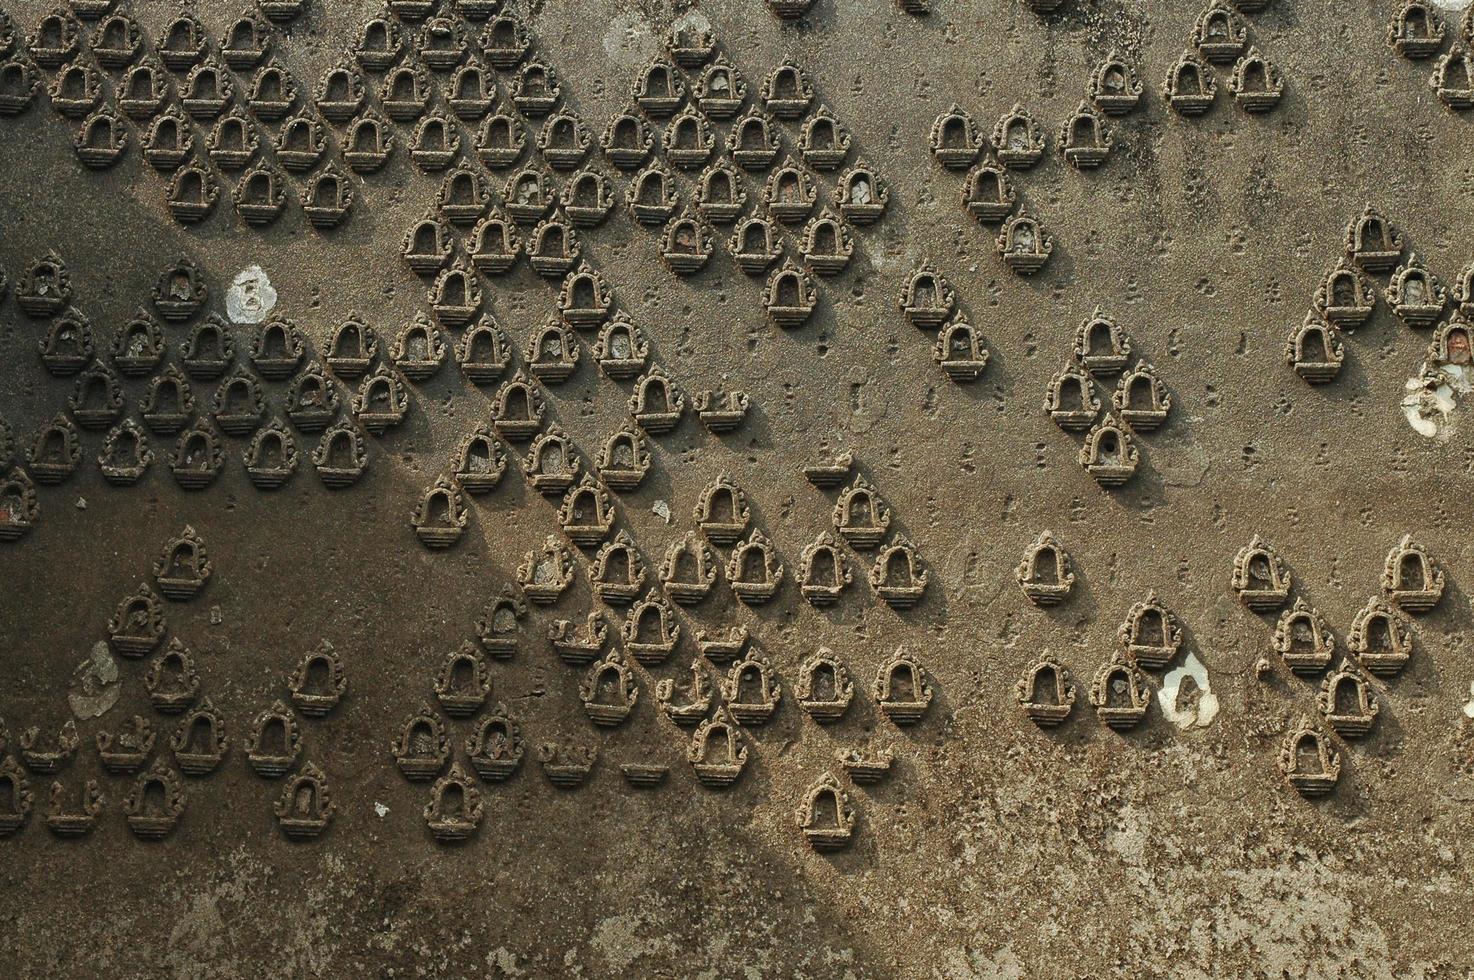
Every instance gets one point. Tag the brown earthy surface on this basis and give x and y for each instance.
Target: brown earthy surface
(994, 848)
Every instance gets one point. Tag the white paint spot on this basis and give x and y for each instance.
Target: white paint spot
(629, 40)
(95, 688)
(1451, 4)
(1194, 708)
(661, 509)
(1469, 705)
(250, 296)
(1430, 399)
(380, 809)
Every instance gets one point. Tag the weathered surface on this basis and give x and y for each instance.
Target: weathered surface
(994, 848)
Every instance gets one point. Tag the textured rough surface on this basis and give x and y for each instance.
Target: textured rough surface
(994, 848)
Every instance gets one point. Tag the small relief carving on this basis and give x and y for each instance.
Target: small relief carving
(1083, 139)
(546, 572)
(1018, 139)
(823, 141)
(53, 454)
(689, 570)
(77, 821)
(368, 143)
(686, 244)
(483, 352)
(1309, 762)
(115, 43)
(787, 92)
(479, 461)
(1190, 86)
(627, 140)
(172, 680)
(1109, 453)
(101, 140)
(198, 456)
(455, 298)
(722, 647)
(471, 92)
(644, 775)
(691, 706)
(1416, 31)
(826, 816)
(183, 41)
(536, 89)
(305, 807)
(1151, 633)
(585, 299)
(1220, 34)
(155, 804)
(208, 89)
(720, 89)
(327, 198)
(830, 471)
(440, 517)
(755, 245)
(318, 682)
(270, 97)
(209, 350)
(137, 625)
(436, 142)
(340, 93)
(790, 296)
(184, 567)
(1453, 76)
(463, 682)
(789, 193)
(721, 411)
(19, 84)
(1261, 579)
(259, 197)
(659, 90)
(960, 352)
(312, 399)
(720, 196)
(341, 455)
(16, 798)
(442, 43)
(865, 770)
(753, 570)
(1045, 692)
(552, 352)
(861, 195)
(901, 689)
(898, 576)
(420, 349)
(650, 630)
(753, 143)
(423, 747)
(138, 345)
(955, 140)
(651, 195)
(1304, 639)
(97, 399)
(1347, 702)
(751, 690)
(618, 575)
(500, 140)
(624, 459)
(42, 757)
(381, 401)
(657, 404)
(789, 9)
(622, 350)
(1255, 83)
(246, 42)
(553, 247)
(68, 346)
(500, 628)
(380, 43)
(824, 689)
(271, 457)
(141, 95)
(1381, 637)
(609, 691)
(1120, 693)
(587, 513)
(1114, 88)
(199, 743)
(567, 766)
(1371, 243)
(517, 410)
(1044, 574)
(552, 462)
(405, 92)
(927, 299)
(275, 741)
(495, 746)
(578, 645)
(124, 752)
(455, 808)
(1141, 400)
(988, 192)
(688, 139)
(44, 288)
(1410, 579)
(861, 516)
(1415, 294)
(718, 750)
(505, 41)
(1346, 297)
(823, 572)
(1315, 351)
(1023, 244)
